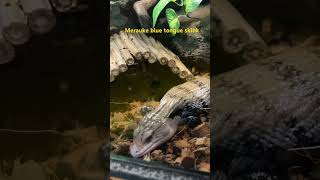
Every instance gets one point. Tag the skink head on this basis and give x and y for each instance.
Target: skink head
(150, 134)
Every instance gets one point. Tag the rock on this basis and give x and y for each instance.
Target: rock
(194, 46)
(121, 15)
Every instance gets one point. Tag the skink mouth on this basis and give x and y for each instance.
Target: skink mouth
(138, 149)
(137, 152)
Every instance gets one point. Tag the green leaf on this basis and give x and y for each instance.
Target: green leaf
(179, 4)
(172, 19)
(191, 5)
(157, 10)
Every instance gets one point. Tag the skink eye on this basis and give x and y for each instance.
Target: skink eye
(148, 139)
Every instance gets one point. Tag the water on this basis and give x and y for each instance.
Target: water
(137, 85)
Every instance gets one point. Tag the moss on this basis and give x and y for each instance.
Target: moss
(122, 124)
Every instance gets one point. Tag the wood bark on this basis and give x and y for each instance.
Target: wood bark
(171, 63)
(175, 70)
(152, 59)
(175, 63)
(40, 16)
(112, 78)
(146, 50)
(118, 57)
(130, 46)
(114, 68)
(163, 60)
(255, 50)
(7, 52)
(236, 32)
(123, 45)
(124, 51)
(13, 23)
(255, 97)
(64, 5)
(184, 71)
(190, 77)
(142, 48)
(141, 8)
(154, 51)
(172, 58)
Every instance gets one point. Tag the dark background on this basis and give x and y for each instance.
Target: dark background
(33, 93)
(288, 17)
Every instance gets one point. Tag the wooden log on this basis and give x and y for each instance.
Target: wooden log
(254, 51)
(171, 63)
(13, 23)
(236, 32)
(118, 57)
(64, 5)
(40, 16)
(171, 56)
(146, 50)
(130, 46)
(139, 44)
(190, 77)
(182, 71)
(152, 59)
(175, 70)
(258, 96)
(123, 50)
(112, 78)
(141, 8)
(114, 68)
(176, 64)
(163, 60)
(7, 52)
(154, 51)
